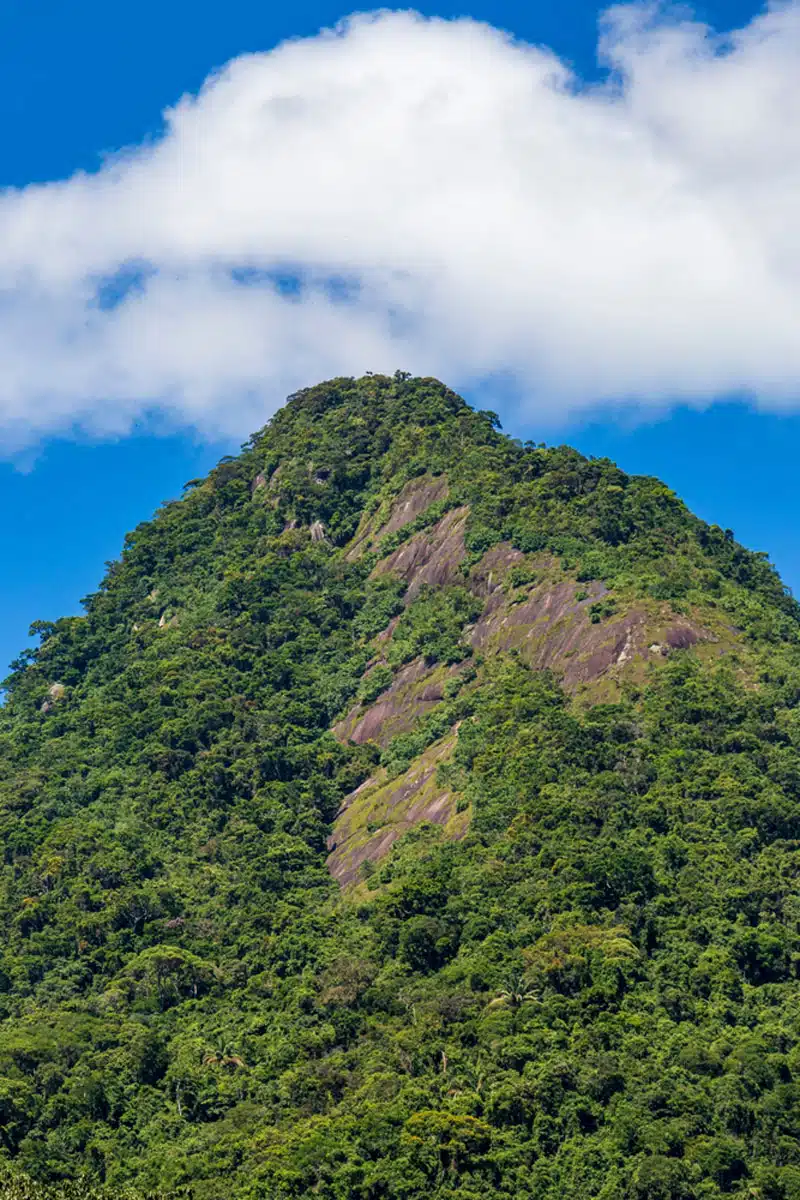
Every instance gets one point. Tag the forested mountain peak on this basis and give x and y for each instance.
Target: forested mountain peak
(413, 811)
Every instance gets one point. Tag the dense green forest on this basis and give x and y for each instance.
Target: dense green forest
(414, 812)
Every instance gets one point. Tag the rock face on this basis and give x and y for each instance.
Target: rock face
(377, 813)
(414, 691)
(417, 496)
(488, 575)
(414, 499)
(55, 692)
(552, 628)
(431, 557)
(552, 622)
(264, 486)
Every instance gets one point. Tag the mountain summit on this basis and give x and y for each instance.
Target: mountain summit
(413, 813)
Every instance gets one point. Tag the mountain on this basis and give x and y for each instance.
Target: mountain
(413, 813)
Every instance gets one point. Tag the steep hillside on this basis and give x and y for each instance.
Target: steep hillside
(413, 812)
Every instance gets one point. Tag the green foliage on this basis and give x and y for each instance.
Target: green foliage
(592, 994)
(602, 609)
(520, 575)
(433, 627)
(377, 681)
(25, 1189)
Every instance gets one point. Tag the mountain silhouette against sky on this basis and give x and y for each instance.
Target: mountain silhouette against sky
(413, 812)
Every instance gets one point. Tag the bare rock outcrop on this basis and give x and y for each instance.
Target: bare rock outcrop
(415, 497)
(553, 622)
(55, 693)
(378, 812)
(488, 575)
(318, 533)
(431, 557)
(415, 690)
(553, 628)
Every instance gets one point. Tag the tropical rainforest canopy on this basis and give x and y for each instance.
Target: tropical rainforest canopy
(413, 813)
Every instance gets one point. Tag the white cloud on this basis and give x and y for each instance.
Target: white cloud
(636, 241)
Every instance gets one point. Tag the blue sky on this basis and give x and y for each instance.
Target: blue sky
(80, 82)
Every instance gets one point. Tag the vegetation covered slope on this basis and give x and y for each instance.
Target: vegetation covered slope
(244, 956)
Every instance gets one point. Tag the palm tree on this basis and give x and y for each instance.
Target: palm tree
(515, 993)
(467, 1077)
(223, 1058)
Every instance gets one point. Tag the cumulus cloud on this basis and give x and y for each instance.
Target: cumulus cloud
(431, 195)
